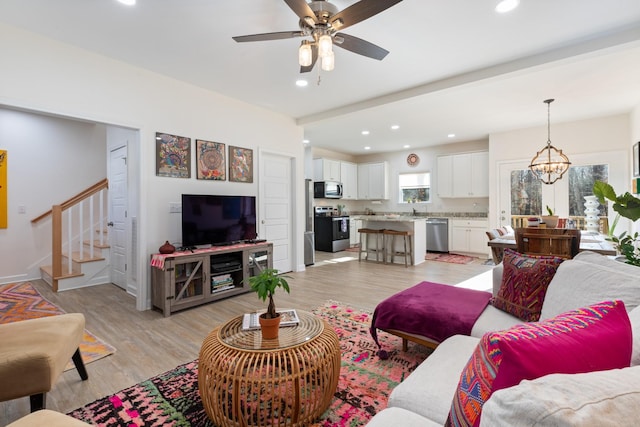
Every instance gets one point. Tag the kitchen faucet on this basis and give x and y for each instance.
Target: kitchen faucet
(414, 212)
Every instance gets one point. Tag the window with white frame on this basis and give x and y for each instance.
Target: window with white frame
(414, 187)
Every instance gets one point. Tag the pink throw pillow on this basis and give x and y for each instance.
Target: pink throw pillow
(594, 338)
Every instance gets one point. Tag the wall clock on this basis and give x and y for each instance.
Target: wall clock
(413, 159)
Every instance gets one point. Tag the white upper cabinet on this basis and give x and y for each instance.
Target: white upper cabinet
(326, 170)
(349, 176)
(373, 183)
(463, 175)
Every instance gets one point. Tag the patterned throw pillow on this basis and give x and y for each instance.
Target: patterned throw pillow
(594, 338)
(524, 284)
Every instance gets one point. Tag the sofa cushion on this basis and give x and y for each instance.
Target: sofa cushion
(430, 387)
(400, 417)
(493, 319)
(564, 344)
(592, 399)
(589, 278)
(524, 284)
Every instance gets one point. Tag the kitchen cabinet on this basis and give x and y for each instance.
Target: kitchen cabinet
(373, 183)
(326, 170)
(463, 175)
(349, 176)
(354, 236)
(469, 236)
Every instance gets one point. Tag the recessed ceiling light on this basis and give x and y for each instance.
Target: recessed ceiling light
(365, 132)
(128, 2)
(302, 83)
(305, 141)
(367, 148)
(406, 146)
(451, 135)
(507, 6)
(395, 127)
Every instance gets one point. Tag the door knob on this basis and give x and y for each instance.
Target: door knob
(110, 224)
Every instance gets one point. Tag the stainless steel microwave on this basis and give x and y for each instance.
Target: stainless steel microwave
(327, 190)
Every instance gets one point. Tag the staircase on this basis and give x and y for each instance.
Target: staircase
(79, 253)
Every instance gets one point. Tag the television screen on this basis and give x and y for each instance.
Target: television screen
(217, 220)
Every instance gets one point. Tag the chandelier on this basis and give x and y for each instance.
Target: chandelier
(549, 164)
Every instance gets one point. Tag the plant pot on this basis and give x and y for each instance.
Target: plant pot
(550, 220)
(269, 327)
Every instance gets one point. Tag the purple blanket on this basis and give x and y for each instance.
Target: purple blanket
(430, 309)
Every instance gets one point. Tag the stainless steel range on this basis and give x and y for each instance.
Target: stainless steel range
(331, 231)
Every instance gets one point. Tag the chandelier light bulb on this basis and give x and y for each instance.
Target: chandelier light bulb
(305, 55)
(325, 46)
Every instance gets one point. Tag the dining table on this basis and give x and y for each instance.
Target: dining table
(589, 241)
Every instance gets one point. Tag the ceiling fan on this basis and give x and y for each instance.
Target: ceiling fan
(321, 21)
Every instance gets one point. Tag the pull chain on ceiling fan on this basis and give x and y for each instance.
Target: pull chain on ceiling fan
(321, 21)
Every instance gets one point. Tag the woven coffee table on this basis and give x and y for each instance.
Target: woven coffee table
(247, 381)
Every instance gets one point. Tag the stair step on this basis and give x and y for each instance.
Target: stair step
(97, 244)
(76, 257)
(48, 270)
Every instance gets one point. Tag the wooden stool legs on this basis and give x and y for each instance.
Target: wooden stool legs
(407, 253)
(364, 245)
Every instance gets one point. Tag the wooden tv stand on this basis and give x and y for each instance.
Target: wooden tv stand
(186, 279)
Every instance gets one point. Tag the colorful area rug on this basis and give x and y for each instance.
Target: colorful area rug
(21, 301)
(172, 398)
(450, 258)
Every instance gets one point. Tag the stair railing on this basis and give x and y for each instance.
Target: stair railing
(75, 209)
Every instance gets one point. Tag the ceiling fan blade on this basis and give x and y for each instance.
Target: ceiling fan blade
(302, 9)
(360, 11)
(314, 59)
(268, 36)
(359, 46)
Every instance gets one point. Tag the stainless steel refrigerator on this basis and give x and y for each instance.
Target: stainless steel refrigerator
(309, 237)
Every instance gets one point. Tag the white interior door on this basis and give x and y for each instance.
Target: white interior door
(118, 215)
(276, 216)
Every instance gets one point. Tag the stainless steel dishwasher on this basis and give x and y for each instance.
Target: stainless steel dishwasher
(437, 235)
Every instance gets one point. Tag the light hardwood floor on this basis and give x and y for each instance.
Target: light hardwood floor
(148, 344)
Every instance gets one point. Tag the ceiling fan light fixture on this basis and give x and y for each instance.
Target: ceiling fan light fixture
(325, 45)
(305, 56)
(328, 62)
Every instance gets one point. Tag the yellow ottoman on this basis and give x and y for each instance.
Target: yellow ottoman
(47, 418)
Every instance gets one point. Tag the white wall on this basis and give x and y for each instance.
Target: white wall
(46, 157)
(43, 75)
(578, 140)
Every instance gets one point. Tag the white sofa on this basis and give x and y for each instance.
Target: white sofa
(592, 399)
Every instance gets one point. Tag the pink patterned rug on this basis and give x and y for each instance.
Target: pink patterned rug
(172, 398)
(450, 258)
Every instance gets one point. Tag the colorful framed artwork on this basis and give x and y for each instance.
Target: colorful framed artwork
(210, 160)
(636, 159)
(240, 164)
(173, 156)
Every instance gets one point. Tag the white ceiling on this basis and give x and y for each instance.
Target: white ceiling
(455, 66)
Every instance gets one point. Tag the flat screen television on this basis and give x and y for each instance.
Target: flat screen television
(217, 220)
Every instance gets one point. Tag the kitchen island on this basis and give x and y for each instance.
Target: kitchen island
(417, 225)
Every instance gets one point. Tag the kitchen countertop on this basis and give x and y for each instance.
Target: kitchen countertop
(400, 218)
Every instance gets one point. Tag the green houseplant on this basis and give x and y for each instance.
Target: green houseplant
(627, 206)
(265, 285)
(550, 220)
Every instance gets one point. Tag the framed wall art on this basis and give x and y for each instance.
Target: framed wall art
(240, 164)
(636, 159)
(210, 160)
(173, 156)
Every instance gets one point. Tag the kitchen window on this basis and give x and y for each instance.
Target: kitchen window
(414, 187)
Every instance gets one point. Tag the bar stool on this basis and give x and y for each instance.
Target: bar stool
(365, 247)
(391, 245)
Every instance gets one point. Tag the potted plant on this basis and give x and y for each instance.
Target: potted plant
(627, 206)
(265, 285)
(550, 220)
